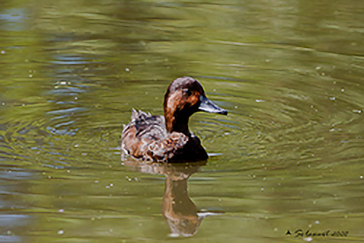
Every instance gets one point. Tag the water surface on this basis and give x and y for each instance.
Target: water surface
(287, 160)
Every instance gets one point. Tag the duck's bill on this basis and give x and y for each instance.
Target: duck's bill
(207, 106)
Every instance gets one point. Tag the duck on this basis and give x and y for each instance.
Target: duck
(167, 138)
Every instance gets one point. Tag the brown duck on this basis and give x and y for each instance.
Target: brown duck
(167, 138)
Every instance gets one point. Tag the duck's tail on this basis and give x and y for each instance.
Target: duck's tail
(138, 115)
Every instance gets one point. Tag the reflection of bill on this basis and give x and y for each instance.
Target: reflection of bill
(178, 209)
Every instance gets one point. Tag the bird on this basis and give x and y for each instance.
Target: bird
(167, 138)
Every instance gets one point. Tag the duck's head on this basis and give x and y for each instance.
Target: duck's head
(184, 97)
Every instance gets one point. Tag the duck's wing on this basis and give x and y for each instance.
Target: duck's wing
(167, 149)
(142, 131)
(146, 126)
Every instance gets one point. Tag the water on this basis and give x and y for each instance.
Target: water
(287, 161)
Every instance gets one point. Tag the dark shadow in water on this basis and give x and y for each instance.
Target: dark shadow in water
(178, 209)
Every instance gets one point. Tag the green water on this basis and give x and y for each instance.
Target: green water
(287, 159)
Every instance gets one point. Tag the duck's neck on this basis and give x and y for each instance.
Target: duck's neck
(177, 124)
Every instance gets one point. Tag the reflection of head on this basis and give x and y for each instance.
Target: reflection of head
(184, 223)
(183, 226)
(178, 209)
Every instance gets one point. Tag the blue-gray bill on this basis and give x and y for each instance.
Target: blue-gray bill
(208, 106)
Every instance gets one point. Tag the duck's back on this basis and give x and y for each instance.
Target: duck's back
(146, 137)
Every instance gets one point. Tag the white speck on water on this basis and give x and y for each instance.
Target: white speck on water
(3, 103)
(361, 177)
(267, 60)
(357, 111)
(111, 184)
(96, 181)
(2, 52)
(214, 90)
(61, 210)
(30, 75)
(309, 239)
(332, 98)
(63, 82)
(317, 222)
(76, 98)
(259, 100)
(236, 107)
(262, 189)
(127, 69)
(60, 232)
(110, 230)
(342, 90)
(77, 145)
(318, 68)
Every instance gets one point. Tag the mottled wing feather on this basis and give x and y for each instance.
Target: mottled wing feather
(166, 149)
(142, 131)
(150, 127)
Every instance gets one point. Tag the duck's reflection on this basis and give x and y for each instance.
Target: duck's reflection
(180, 212)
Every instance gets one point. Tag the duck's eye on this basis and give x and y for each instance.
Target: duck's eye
(187, 92)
